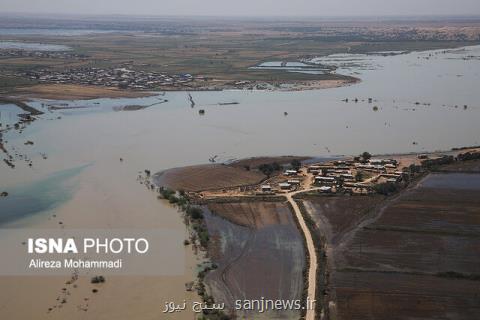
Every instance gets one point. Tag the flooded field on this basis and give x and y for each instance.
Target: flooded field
(50, 32)
(462, 181)
(9, 115)
(293, 67)
(31, 46)
(259, 253)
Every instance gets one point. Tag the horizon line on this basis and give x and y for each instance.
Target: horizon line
(229, 16)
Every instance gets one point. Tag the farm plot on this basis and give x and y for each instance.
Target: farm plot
(259, 253)
(419, 258)
(207, 177)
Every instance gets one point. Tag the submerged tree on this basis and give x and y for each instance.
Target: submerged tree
(296, 164)
(366, 156)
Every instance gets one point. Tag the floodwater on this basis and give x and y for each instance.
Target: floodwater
(458, 181)
(9, 115)
(292, 67)
(50, 32)
(32, 46)
(425, 101)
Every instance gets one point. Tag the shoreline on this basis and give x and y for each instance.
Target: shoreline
(51, 91)
(315, 268)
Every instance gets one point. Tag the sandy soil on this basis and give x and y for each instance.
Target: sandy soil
(207, 177)
(78, 92)
(74, 92)
(312, 255)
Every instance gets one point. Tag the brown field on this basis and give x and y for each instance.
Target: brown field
(207, 177)
(74, 92)
(259, 253)
(413, 251)
(219, 176)
(379, 296)
(445, 211)
(413, 256)
(251, 214)
(337, 215)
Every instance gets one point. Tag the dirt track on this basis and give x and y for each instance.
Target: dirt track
(312, 268)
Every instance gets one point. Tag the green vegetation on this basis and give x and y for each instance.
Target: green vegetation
(7, 83)
(386, 188)
(195, 213)
(177, 198)
(208, 299)
(167, 193)
(434, 163)
(296, 164)
(359, 176)
(365, 156)
(457, 275)
(195, 219)
(469, 156)
(269, 168)
(97, 279)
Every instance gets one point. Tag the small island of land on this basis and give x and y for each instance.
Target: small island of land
(355, 218)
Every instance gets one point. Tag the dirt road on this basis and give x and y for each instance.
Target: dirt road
(312, 268)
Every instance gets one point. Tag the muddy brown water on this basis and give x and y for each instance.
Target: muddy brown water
(107, 194)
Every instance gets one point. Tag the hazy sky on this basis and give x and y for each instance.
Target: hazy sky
(246, 7)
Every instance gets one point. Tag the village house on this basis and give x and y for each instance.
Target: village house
(266, 188)
(324, 180)
(325, 189)
(294, 182)
(285, 186)
(290, 172)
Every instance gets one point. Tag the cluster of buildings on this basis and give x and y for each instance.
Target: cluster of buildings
(290, 180)
(110, 77)
(351, 176)
(355, 176)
